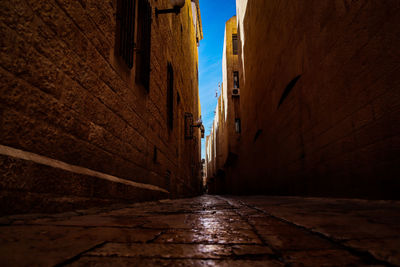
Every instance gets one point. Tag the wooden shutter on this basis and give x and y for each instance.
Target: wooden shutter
(143, 70)
(126, 21)
(235, 44)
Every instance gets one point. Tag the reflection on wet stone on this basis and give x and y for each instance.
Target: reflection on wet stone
(209, 231)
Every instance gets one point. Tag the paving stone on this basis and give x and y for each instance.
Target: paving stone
(356, 230)
(174, 251)
(41, 245)
(366, 225)
(228, 213)
(168, 221)
(387, 249)
(208, 231)
(219, 221)
(297, 242)
(251, 250)
(94, 221)
(115, 261)
(49, 245)
(321, 258)
(212, 235)
(271, 226)
(336, 225)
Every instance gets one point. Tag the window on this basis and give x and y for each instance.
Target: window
(155, 158)
(143, 44)
(237, 126)
(235, 44)
(125, 37)
(236, 79)
(170, 96)
(126, 30)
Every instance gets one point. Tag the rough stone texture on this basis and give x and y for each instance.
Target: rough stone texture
(30, 189)
(209, 231)
(364, 226)
(66, 95)
(336, 133)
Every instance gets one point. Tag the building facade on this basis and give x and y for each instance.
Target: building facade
(320, 98)
(97, 103)
(227, 121)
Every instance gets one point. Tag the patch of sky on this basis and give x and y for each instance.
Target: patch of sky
(214, 14)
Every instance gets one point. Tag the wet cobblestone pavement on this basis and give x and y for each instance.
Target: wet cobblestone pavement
(209, 231)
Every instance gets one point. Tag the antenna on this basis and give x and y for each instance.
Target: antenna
(216, 90)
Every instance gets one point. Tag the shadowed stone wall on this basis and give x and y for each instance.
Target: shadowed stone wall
(320, 103)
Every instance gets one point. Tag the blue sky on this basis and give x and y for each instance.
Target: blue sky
(214, 14)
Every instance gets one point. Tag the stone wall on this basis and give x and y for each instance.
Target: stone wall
(227, 139)
(231, 102)
(66, 96)
(320, 105)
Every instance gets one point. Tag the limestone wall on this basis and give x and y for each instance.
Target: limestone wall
(320, 104)
(65, 95)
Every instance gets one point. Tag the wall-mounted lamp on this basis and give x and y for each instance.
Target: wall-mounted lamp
(199, 124)
(177, 5)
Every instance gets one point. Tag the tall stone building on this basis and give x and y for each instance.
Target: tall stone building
(213, 150)
(231, 100)
(97, 104)
(320, 98)
(227, 122)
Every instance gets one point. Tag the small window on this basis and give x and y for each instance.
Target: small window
(235, 44)
(170, 96)
(143, 46)
(125, 40)
(155, 158)
(236, 79)
(237, 126)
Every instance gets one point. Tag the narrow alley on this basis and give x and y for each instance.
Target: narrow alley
(199, 133)
(209, 231)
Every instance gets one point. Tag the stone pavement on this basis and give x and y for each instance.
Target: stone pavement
(211, 231)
